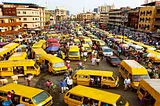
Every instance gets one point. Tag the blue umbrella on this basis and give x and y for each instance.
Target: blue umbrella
(53, 48)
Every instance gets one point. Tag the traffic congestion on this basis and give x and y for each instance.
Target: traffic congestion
(78, 65)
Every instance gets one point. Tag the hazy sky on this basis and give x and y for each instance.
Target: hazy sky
(76, 6)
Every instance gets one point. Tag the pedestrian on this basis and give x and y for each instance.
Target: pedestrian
(28, 78)
(127, 83)
(93, 61)
(97, 60)
(70, 83)
(9, 96)
(63, 85)
(70, 71)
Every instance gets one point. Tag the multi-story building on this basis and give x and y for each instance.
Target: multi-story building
(118, 16)
(1, 6)
(88, 16)
(104, 17)
(10, 25)
(31, 15)
(149, 17)
(95, 10)
(47, 15)
(133, 18)
(60, 13)
(105, 8)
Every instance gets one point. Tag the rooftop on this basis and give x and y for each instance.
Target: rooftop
(151, 3)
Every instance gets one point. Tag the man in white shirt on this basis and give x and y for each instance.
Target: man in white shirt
(70, 83)
(127, 83)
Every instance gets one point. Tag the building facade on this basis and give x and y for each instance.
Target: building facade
(133, 18)
(105, 8)
(10, 25)
(31, 15)
(60, 13)
(104, 16)
(1, 6)
(88, 16)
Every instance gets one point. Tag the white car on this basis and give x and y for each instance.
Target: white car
(107, 51)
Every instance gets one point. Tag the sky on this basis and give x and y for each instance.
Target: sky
(76, 6)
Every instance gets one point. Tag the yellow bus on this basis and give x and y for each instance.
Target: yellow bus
(40, 44)
(133, 70)
(107, 79)
(18, 67)
(28, 96)
(150, 87)
(55, 64)
(4, 52)
(18, 56)
(37, 52)
(11, 47)
(74, 53)
(79, 94)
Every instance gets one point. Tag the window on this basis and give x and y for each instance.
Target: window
(83, 76)
(105, 104)
(67, 94)
(75, 97)
(24, 99)
(19, 18)
(110, 78)
(142, 90)
(25, 19)
(3, 94)
(18, 12)
(25, 25)
(4, 69)
(30, 67)
(33, 18)
(24, 12)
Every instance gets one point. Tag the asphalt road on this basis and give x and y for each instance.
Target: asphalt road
(130, 96)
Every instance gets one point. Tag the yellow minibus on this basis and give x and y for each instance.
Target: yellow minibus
(55, 64)
(78, 96)
(11, 47)
(28, 96)
(37, 52)
(74, 53)
(133, 70)
(18, 56)
(96, 78)
(18, 67)
(149, 88)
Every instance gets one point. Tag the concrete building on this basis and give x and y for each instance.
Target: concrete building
(1, 6)
(105, 8)
(133, 18)
(60, 13)
(95, 10)
(47, 16)
(86, 17)
(31, 15)
(104, 16)
(10, 25)
(149, 17)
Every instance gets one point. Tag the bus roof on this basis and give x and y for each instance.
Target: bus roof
(153, 85)
(85, 45)
(73, 48)
(18, 56)
(7, 63)
(51, 58)
(95, 72)
(96, 94)
(39, 51)
(22, 90)
(3, 51)
(11, 45)
(134, 67)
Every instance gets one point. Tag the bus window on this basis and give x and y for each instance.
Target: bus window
(105, 104)
(75, 97)
(30, 67)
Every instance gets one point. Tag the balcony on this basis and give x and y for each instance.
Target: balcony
(115, 15)
(157, 15)
(11, 32)
(10, 24)
(157, 23)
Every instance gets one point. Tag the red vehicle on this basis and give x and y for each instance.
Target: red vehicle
(113, 60)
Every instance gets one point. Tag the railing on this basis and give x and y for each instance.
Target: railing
(10, 24)
(11, 32)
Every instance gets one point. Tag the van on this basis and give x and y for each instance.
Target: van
(11, 47)
(150, 87)
(106, 51)
(40, 44)
(87, 77)
(74, 53)
(135, 71)
(18, 67)
(55, 64)
(137, 48)
(18, 56)
(78, 96)
(87, 48)
(28, 96)
(4, 52)
(77, 41)
(88, 41)
(37, 52)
